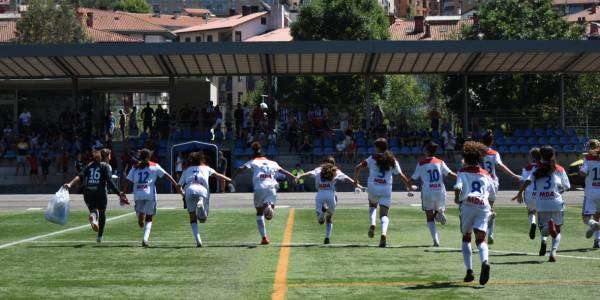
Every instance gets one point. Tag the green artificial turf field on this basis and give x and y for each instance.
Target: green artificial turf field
(233, 266)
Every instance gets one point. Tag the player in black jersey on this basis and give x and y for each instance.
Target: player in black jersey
(96, 179)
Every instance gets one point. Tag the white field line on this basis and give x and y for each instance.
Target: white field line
(3, 246)
(35, 208)
(526, 253)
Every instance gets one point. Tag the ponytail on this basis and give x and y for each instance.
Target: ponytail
(144, 159)
(257, 150)
(385, 159)
(328, 172)
(488, 138)
(594, 148)
(547, 164)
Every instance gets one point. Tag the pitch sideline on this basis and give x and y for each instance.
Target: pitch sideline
(3, 246)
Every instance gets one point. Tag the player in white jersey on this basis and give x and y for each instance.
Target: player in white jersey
(591, 203)
(549, 182)
(529, 194)
(265, 187)
(195, 183)
(143, 177)
(491, 160)
(473, 189)
(326, 177)
(382, 167)
(431, 171)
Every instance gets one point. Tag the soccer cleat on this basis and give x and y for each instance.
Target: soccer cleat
(596, 244)
(382, 241)
(469, 277)
(441, 217)
(552, 228)
(326, 241)
(436, 243)
(485, 273)
(590, 232)
(552, 259)
(264, 240)
(145, 244)
(123, 201)
(93, 222)
(268, 211)
(99, 239)
(532, 230)
(321, 219)
(490, 240)
(542, 249)
(372, 231)
(198, 245)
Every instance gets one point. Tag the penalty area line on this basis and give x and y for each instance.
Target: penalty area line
(31, 239)
(280, 284)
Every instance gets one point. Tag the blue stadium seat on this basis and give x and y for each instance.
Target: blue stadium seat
(543, 141)
(510, 141)
(579, 148)
(553, 140)
(518, 132)
(521, 141)
(532, 141)
(328, 151)
(524, 149)
(416, 150)
(571, 132)
(328, 143)
(550, 132)
(557, 147)
(574, 140)
(175, 135)
(362, 151)
(583, 140)
(539, 132)
(500, 141)
(238, 151)
(563, 140)
(238, 163)
(561, 132)
(394, 142)
(503, 149)
(498, 133)
(248, 151)
(272, 151)
(395, 149)
(569, 148)
(10, 154)
(361, 143)
(405, 150)
(317, 143)
(187, 135)
(371, 150)
(528, 132)
(196, 135)
(339, 135)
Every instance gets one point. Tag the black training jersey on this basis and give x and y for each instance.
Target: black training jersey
(96, 177)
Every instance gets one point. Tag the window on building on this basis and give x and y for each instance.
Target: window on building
(238, 36)
(188, 39)
(239, 78)
(209, 38)
(198, 39)
(263, 21)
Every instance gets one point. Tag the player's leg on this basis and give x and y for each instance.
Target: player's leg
(491, 226)
(102, 202)
(331, 204)
(484, 276)
(531, 213)
(147, 229)
(259, 204)
(597, 233)
(192, 202)
(440, 207)
(430, 215)
(269, 200)
(544, 232)
(385, 222)
(467, 253)
(590, 208)
(373, 203)
(91, 204)
(319, 210)
(557, 217)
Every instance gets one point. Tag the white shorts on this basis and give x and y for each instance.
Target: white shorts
(147, 207)
(263, 196)
(328, 202)
(530, 201)
(473, 218)
(194, 199)
(545, 216)
(591, 203)
(433, 201)
(380, 199)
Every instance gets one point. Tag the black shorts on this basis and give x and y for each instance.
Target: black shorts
(95, 200)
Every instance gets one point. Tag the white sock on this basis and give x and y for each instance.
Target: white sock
(196, 233)
(433, 231)
(260, 221)
(555, 243)
(328, 229)
(466, 251)
(385, 221)
(372, 215)
(491, 226)
(544, 238)
(483, 251)
(531, 218)
(147, 229)
(591, 222)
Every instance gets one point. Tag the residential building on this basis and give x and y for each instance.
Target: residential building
(569, 7)
(428, 28)
(589, 19)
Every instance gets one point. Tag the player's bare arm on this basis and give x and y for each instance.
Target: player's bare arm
(522, 187)
(221, 176)
(508, 171)
(361, 166)
(73, 181)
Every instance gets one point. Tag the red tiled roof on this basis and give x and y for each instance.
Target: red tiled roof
(170, 21)
(403, 30)
(8, 34)
(229, 22)
(587, 14)
(560, 2)
(99, 36)
(279, 35)
(7, 31)
(120, 22)
(197, 11)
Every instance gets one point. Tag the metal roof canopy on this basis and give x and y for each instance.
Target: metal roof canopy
(298, 58)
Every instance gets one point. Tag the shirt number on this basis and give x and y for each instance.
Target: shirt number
(143, 177)
(434, 175)
(476, 187)
(596, 174)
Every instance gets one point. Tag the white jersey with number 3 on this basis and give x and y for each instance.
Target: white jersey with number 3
(264, 172)
(380, 182)
(144, 181)
(490, 161)
(548, 190)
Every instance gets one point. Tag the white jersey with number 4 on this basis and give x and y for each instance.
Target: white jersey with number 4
(548, 190)
(476, 186)
(490, 161)
(264, 172)
(380, 182)
(144, 181)
(431, 172)
(326, 188)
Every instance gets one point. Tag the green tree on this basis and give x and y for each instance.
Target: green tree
(519, 94)
(132, 6)
(335, 20)
(405, 98)
(46, 23)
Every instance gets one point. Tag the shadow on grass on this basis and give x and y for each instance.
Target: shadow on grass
(526, 262)
(442, 251)
(578, 250)
(441, 285)
(218, 245)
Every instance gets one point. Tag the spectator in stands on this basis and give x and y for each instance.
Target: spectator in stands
(110, 125)
(33, 167)
(25, 120)
(79, 164)
(45, 162)
(344, 115)
(298, 170)
(22, 149)
(246, 116)
(223, 170)
(435, 116)
(343, 147)
(257, 118)
(238, 116)
(122, 123)
(147, 114)
(292, 134)
(305, 149)
(218, 118)
(133, 126)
